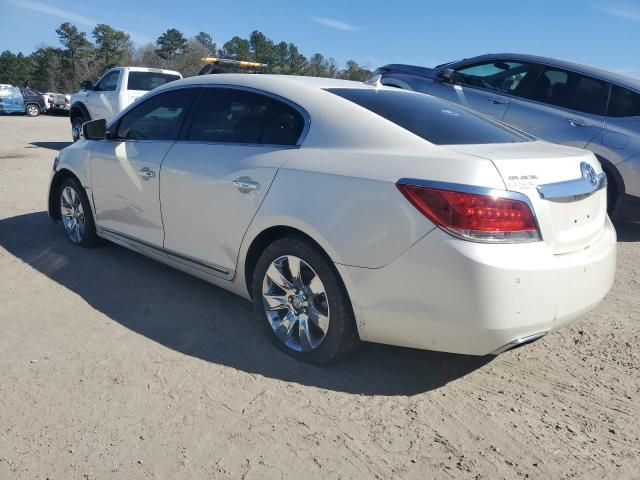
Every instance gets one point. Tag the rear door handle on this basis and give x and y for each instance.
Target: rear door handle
(245, 184)
(578, 123)
(146, 173)
(497, 101)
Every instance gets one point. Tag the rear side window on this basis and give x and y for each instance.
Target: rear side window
(570, 90)
(146, 81)
(158, 118)
(623, 103)
(236, 116)
(436, 120)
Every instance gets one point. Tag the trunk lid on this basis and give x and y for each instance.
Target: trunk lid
(564, 186)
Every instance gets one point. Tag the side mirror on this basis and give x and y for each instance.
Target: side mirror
(95, 129)
(86, 85)
(447, 75)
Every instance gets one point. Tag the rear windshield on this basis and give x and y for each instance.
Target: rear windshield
(436, 120)
(149, 80)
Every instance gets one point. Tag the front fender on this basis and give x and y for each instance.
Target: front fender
(73, 160)
(79, 107)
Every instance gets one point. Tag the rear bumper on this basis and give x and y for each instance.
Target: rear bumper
(456, 296)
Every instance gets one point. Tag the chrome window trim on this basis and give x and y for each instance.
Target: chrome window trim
(477, 190)
(570, 190)
(305, 115)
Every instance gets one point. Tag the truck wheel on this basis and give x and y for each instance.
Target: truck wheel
(76, 127)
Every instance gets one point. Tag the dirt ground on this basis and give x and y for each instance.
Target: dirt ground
(114, 366)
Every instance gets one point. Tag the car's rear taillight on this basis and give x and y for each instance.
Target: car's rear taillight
(492, 217)
(66, 100)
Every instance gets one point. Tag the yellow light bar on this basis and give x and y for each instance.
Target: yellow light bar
(228, 61)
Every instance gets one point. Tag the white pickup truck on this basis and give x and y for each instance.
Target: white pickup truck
(116, 90)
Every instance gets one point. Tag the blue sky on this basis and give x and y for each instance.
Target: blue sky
(605, 33)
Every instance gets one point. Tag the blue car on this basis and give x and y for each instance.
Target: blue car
(558, 101)
(21, 100)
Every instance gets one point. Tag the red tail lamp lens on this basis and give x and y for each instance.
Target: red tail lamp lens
(474, 216)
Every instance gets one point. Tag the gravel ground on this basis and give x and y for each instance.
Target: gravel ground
(114, 366)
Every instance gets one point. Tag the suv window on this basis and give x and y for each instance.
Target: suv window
(437, 121)
(146, 81)
(109, 82)
(499, 76)
(237, 116)
(623, 103)
(158, 118)
(570, 90)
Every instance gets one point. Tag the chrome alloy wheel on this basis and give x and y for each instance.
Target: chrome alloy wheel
(32, 110)
(296, 304)
(72, 214)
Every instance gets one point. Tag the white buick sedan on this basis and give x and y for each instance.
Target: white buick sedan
(347, 211)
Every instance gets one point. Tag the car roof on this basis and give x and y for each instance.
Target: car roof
(597, 72)
(271, 80)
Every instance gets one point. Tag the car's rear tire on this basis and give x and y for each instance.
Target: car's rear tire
(76, 127)
(32, 110)
(300, 298)
(76, 215)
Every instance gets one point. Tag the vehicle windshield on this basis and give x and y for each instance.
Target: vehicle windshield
(146, 81)
(437, 121)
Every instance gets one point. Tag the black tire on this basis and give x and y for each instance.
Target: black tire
(89, 238)
(341, 336)
(76, 127)
(32, 110)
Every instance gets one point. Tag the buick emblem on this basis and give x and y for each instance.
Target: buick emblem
(589, 173)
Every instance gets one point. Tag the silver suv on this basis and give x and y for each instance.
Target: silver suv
(558, 101)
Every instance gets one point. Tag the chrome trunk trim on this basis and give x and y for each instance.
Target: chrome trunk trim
(571, 190)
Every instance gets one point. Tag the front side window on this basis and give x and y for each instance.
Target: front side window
(237, 116)
(146, 81)
(435, 120)
(498, 76)
(109, 82)
(623, 103)
(158, 118)
(570, 90)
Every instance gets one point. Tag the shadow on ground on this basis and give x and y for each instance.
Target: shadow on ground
(628, 232)
(198, 319)
(52, 145)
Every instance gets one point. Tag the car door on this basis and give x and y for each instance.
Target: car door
(216, 176)
(562, 107)
(487, 86)
(125, 168)
(102, 100)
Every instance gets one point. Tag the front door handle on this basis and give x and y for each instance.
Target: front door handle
(245, 184)
(578, 123)
(146, 173)
(497, 101)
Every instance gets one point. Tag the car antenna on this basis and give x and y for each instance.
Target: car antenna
(374, 81)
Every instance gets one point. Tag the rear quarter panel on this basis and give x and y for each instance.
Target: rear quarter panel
(347, 200)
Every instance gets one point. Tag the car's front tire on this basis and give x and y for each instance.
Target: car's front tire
(32, 110)
(299, 296)
(76, 215)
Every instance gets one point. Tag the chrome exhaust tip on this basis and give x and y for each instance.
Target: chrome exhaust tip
(519, 342)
